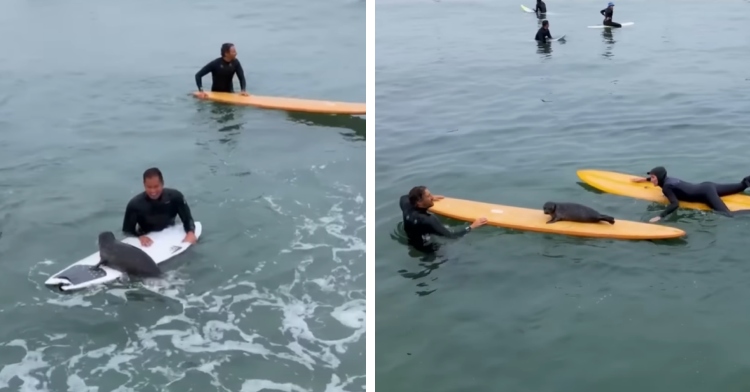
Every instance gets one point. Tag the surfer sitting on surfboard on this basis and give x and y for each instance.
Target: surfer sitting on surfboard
(155, 210)
(607, 13)
(543, 33)
(222, 72)
(709, 193)
(419, 224)
(540, 8)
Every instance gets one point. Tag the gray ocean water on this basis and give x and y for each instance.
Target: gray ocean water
(471, 107)
(272, 297)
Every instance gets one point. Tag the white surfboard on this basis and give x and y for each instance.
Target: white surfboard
(166, 244)
(558, 38)
(526, 9)
(610, 27)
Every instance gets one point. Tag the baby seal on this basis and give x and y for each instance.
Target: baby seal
(125, 258)
(573, 212)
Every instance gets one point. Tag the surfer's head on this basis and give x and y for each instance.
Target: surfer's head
(153, 182)
(420, 197)
(658, 175)
(545, 24)
(228, 52)
(610, 5)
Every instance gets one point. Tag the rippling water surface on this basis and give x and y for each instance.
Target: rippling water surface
(272, 297)
(470, 106)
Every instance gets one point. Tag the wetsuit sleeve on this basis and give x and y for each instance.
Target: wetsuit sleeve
(183, 210)
(203, 72)
(438, 229)
(131, 220)
(602, 12)
(241, 76)
(674, 203)
(547, 34)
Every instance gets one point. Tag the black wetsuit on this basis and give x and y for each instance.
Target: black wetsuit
(607, 13)
(542, 35)
(540, 8)
(222, 73)
(419, 224)
(155, 215)
(709, 193)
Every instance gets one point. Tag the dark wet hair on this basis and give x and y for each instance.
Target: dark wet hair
(545, 23)
(416, 194)
(153, 172)
(225, 48)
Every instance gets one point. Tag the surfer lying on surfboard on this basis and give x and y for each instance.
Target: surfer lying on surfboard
(419, 224)
(222, 72)
(155, 210)
(543, 33)
(607, 13)
(540, 8)
(709, 193)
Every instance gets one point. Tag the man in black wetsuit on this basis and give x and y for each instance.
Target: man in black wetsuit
(222, 72)
(155, 209)
(607, 13)
(541, 8)
(709, 193)
(543, 34)
(419, 224)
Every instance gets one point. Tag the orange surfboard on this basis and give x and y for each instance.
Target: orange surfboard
(289, 104)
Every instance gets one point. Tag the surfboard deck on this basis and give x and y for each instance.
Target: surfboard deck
(620, 184)
(559, 38)
(626, 24)
(289, 104)
(166, 244)
(535, 220)
(526, 9)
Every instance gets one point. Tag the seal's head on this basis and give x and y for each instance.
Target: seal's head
(658, 175)
(549, 208)
(106, 237)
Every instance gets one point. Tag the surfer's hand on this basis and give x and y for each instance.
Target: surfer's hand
(655, 219)
(479, 222)
(243, 92)
(145, 241)
(202, 94)
(638, 179)
(437, 197)
(190, 237)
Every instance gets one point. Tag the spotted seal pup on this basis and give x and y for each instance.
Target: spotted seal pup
(573, 212)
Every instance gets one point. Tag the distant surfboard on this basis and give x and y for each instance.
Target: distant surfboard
(610, 27)
(526, 9)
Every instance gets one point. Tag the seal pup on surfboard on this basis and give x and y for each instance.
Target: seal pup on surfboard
(125, 258)
(573, 212)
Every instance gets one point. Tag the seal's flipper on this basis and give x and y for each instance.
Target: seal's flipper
(607, 218)
(101, 263)
(553, 220)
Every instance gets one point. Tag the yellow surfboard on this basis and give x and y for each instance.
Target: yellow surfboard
(290, 104)
(535, 220)
(621, 184)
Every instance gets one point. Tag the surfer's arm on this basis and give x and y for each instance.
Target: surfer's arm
(183, 210)
(203, 72)
(439, 229)
(602, 12)
(241, 76)
(130, 221)
(674, 203)
(548, 35)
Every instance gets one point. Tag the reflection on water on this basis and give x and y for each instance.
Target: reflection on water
(544, 49)
(353, 123)
(608, 39)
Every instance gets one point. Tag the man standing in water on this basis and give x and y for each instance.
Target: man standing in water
(540, 9)
(155, 209)
(222, 72)
(543, 34)
(419, 224)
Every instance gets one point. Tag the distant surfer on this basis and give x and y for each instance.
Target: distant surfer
(222, 72)
(155, 209)
(709, 193)
(419, 224)
(540, 8)
(543, 33)
(607, 13)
